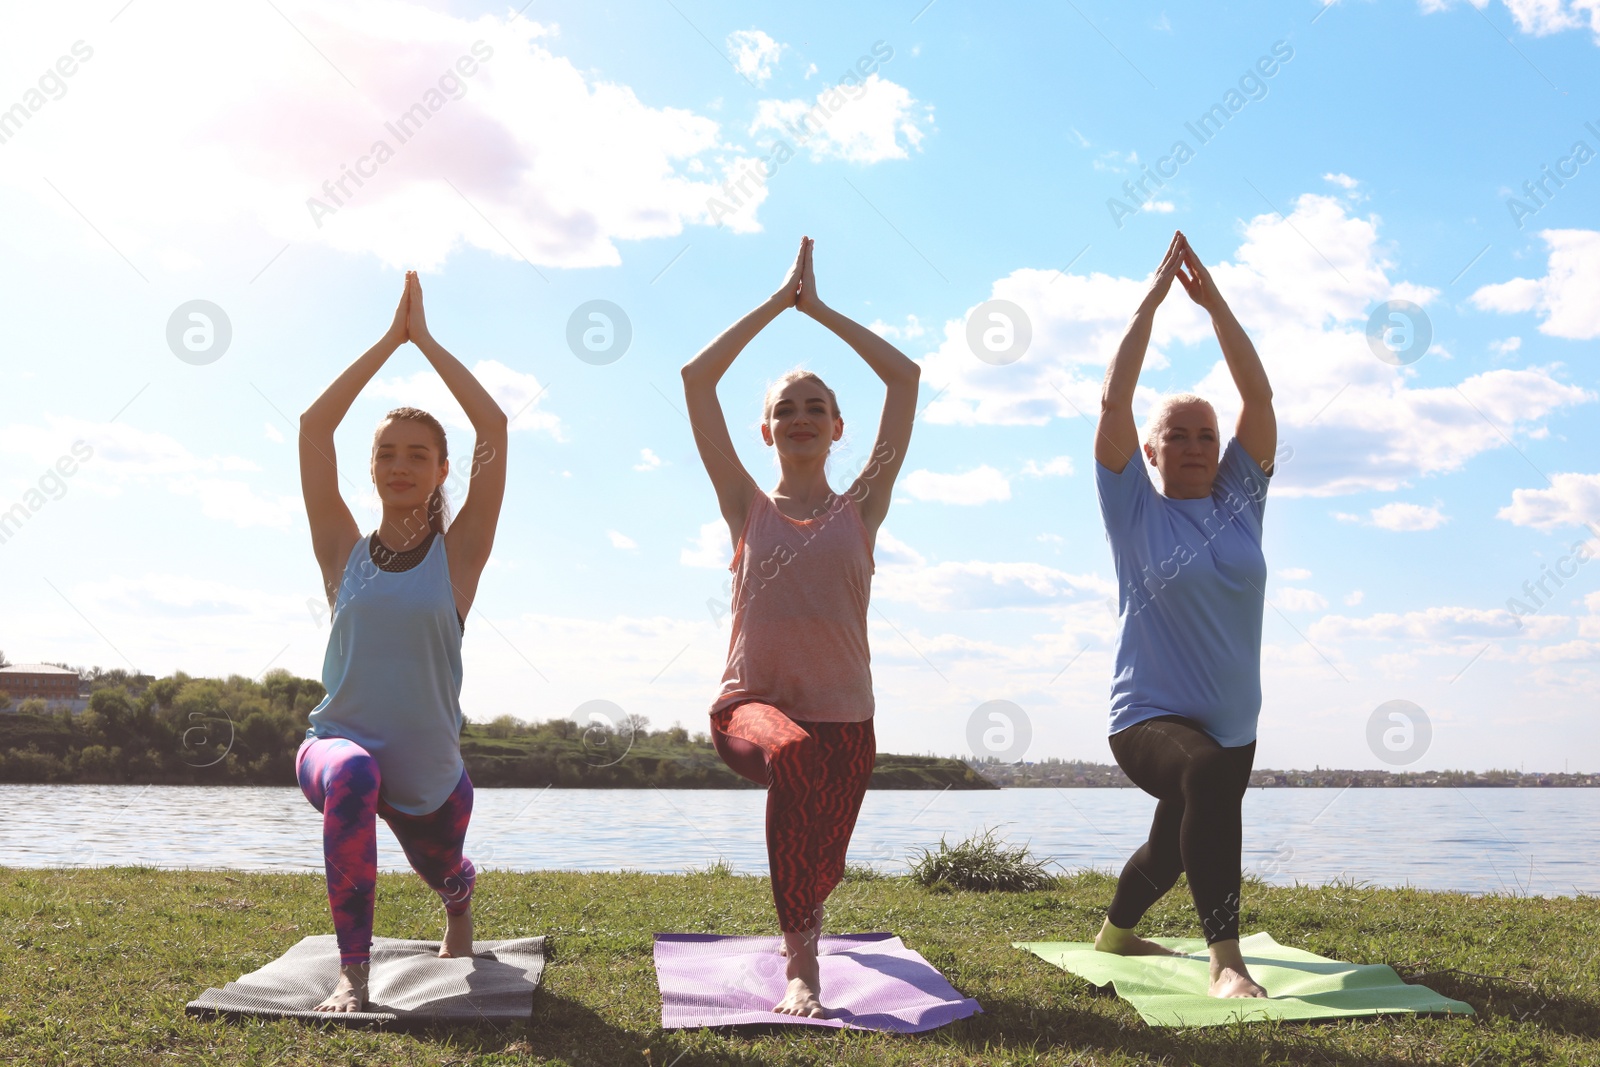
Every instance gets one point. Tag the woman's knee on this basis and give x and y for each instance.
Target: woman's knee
(744, 758)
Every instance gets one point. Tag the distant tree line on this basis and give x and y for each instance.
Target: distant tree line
(181, 730)
(169, 731)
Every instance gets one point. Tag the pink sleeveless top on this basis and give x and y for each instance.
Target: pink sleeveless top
(800, 590)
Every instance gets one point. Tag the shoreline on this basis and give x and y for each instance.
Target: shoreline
(856, 872)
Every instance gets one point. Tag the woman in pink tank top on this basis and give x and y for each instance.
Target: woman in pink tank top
(795, 709)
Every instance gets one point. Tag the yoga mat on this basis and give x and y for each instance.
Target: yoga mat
(1171, 990)
(869, 982)
(409, 984)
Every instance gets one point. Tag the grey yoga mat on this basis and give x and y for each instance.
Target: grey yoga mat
(409, 984)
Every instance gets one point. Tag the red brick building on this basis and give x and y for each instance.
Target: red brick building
(25, 680)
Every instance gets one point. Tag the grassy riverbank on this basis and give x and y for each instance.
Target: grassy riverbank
(98, 964)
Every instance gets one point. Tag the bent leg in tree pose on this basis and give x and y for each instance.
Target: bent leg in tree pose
(795, 709)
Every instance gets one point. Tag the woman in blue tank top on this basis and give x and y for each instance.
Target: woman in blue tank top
(1186, 691)
(386, 740)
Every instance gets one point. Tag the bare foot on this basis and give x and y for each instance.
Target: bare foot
(801, 999)
(1116, 940)
(457, 936)
(350, 994)
(783, 949)
(805, 979)
(1229, 977)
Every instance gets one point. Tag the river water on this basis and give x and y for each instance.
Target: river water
(1511, 841)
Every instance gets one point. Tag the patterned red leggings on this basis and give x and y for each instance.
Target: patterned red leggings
(816, 774)
(341, 780)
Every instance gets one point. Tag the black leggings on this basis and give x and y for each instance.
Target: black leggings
(1200, 786)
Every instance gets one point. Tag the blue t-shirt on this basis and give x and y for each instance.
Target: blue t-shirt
(1192, 582)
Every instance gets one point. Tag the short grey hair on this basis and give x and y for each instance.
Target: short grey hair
(1163, 412)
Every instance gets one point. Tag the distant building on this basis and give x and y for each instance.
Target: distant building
(23, 681)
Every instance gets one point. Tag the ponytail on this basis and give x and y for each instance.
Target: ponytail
(438, 514)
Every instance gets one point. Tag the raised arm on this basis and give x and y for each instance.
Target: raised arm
(333, 529)
(471, 536)
(734, 487)
(1116, 438)
(1257, 429)
(872, 488)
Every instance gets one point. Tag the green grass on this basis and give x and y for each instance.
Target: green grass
(96, 965)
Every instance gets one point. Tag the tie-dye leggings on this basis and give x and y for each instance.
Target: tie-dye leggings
(341, 780)
(816, 774)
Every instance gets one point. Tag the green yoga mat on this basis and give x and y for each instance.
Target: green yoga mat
(1171, 990)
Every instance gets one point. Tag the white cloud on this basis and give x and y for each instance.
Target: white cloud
(909, 332)
(1565, 297)
(981, 485)
(273, 434)
(306, 103)
(238, 503)
(121, 449)
(123, 457)
(983, 586)
(1291, 599)
(1571, 500)
(1354, 597)
(1402, 516)
(1059, 465)
(648, 460)
(1538, 17)
(889, 550)
(1505, 347)
(1343, 181)
(1114, 161)
(1446, 624)
(869, 123)
(519, 396)
(1294, 574)
(712, 549)
(1304, 288)
(755, 55)
(621, 540)
(1159, 207)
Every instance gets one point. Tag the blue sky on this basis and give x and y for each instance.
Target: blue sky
(593, 153)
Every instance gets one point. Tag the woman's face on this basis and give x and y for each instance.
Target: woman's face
(1185, 451)
(405, 464)
(802, 423)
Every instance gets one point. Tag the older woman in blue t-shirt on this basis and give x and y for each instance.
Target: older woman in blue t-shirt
(1186, 691)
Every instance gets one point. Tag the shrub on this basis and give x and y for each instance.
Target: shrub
(983, 863)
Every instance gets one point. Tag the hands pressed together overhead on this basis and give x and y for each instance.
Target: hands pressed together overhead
(1181, 262)
(409, 324)
(799, 289)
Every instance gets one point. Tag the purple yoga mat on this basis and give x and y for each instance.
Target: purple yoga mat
(869, 982)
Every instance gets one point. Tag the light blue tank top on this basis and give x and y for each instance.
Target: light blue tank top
(393, 675)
